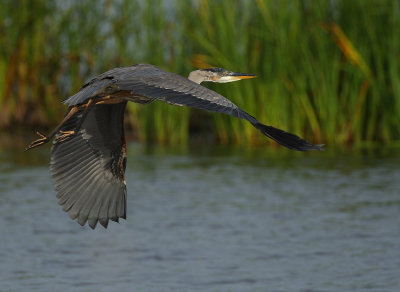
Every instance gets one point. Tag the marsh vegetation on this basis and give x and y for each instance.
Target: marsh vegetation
(328, 70)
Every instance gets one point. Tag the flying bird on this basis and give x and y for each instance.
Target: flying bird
(88, 155)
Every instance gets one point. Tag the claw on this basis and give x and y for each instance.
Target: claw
(42, 140)
(65, 135)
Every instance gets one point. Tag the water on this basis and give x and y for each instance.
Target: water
(211, 219)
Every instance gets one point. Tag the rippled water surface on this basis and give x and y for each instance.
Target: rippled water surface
(217, 219)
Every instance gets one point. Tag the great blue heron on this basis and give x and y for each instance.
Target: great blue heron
(88, 156)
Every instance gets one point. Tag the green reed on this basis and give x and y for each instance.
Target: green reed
(327, 70)
(307, 83)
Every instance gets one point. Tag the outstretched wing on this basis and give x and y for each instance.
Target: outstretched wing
(152, 83)
(177, 90)
(88, 168)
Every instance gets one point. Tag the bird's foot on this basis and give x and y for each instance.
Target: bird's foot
(42, 140)
(65, 135)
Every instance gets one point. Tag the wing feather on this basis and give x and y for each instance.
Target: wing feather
(88, 168)
(151, 83)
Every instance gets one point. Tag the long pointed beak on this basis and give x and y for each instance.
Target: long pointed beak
(238, 76)
(234, 76)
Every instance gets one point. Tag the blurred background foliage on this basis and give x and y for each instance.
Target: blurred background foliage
(327, 70)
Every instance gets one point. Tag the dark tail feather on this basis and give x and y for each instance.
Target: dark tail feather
(286, 139)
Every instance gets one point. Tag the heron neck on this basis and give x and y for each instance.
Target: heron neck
(196, 76)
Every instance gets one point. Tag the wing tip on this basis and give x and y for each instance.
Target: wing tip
(288, 140)
(92, 222)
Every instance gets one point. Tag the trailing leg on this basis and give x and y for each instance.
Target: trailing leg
(65, 134)
(43, 138)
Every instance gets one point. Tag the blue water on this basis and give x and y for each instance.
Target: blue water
(211, 219)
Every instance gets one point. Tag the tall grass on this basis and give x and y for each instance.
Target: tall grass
(327, 70)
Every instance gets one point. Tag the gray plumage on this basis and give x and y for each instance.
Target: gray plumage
(88, 167)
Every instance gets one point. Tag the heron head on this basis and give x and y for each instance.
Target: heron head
(219, 75)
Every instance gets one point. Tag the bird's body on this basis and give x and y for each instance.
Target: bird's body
(88, 157)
